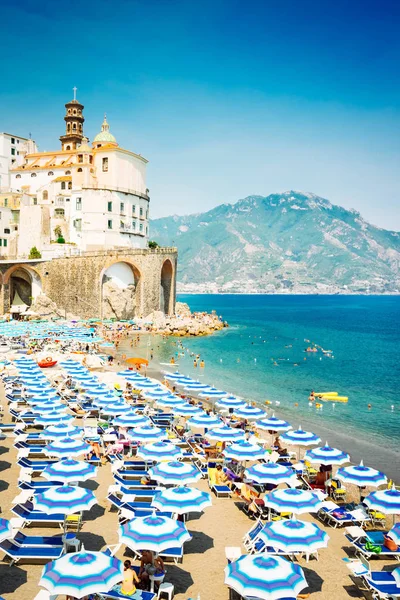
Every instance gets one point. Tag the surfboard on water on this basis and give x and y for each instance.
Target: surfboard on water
(170, 364)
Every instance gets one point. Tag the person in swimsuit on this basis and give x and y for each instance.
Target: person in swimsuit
(130, 578)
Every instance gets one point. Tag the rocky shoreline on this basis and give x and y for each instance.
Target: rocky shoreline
(185, 323)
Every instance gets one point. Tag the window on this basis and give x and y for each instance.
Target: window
(80, 158)
(50, 173)
(74, 111)
(60, 201)
(5, 243)
(133, 209)
(105, 164)
(1, 242)
(45, 195)
(59, 212)
(68, 172)
(33, 174)
(68, 148)
(74, 127)
(141, 227)
(67, 199)
(7, 231)
(146, 230)
(18, 177)
(79, 204)
(109, 224)
(68, 127)
(17, 141)
(13, 140)
(78, 224)
(109, 206)
(63, 185)
(141, 212)
(5, 202)
(121, 208)
(80, 170)
(12, 151)
(70, 185)
(90, 159)
(121, 225)
(133, 225)
(34, 201)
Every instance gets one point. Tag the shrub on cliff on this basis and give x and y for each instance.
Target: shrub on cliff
(152, 244)
(34, 253)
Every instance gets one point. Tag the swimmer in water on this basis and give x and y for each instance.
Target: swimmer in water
(202, 364)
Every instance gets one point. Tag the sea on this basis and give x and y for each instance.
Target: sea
(262, 357)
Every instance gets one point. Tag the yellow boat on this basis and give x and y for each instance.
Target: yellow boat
(336, 398)
(326, 394)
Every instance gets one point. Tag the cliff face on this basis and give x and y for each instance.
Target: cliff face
(291, 242)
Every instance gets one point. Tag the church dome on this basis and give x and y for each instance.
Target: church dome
(105, 136)
(84, 147)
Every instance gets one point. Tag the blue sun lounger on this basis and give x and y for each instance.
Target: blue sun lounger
(30, 553)
(33, 517)
(377, 538)
(20, 539)
(37, 466)
(383, 585)
(38, 486)
(115, 595)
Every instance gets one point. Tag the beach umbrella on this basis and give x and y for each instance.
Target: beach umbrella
(116, 408)
(51, 405)
(147, 434)
(66, 447)
(272, 473)
(181, 500)
(183, 381)
(300, 437)
(249, 412)
(204, 421)
(230, 402)
(187, 410)
(79, 574)
(361, 476)
(244, 450)
(174, 473)
(69, 470)
(146, 384)
(224, 434)
(170, 401)
(212, 392)
(65, 500)
(6, 530)
(53, 418)
(131, 419)
(173, 376)
(293, 501)
(159, 451)
(327, 456)
(155, 393)
(196, 386)
(291, 535)
(154, 533)
(385, 501)
(273, 424)
(265, 577)
(394, 533)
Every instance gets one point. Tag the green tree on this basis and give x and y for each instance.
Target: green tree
(34, 253)
(58, 231)
(153, 244)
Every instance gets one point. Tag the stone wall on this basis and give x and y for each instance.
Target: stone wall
(75, 283)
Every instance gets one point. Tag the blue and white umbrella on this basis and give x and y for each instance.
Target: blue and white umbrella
(153, 533)
(361, 476)
(187, 410)
(53, 418)
(212, 392)
(299, 437)
(147, 434)
(173, 376)
(249, 412)
(131, 419)
(225, 434)
(385, 501)
(174, 473)
(82, 573)
(230, 402)
(6, 530)
(146, 384)
(273, 424)
(293, 501)
(244, 450)
(272, 473)
(394, 533)
(196, 386)
(67, 447)
(69, 470)
(204, 421)
(65, 500)
(183, 381)
(49, 406)
(156, 393)
(116, 408)
(265, 577)
(291, 535)
(327, 456)
(181, 500)
(159, 451)
(170, 401)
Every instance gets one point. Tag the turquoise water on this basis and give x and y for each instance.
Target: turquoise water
(362, 331)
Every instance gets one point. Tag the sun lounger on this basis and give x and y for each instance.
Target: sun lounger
(131, 474)
(33, 517)
(383, 585)
(359, 539)
(36, 466)
(115, 595)
(30, 553)
(335, 515)
(221, 491)
(38, 486)
(20, 539)
(252, 534)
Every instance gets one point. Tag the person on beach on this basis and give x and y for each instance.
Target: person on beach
(128, 586)
(220, 476)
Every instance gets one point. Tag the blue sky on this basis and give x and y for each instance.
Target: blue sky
(226, 98)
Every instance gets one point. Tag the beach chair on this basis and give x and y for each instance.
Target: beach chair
(370, 544)
(252, 534)
(30, 516)
(36, 466)
(338, 491)
(221, 491)
(341, 516)
(116, 595)
(16, 553)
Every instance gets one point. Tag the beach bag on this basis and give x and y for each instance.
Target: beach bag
(371, 547)
(390, 544)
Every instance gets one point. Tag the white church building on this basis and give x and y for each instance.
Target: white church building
(91, 196)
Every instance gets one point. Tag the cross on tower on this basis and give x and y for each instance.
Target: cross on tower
(74, 90)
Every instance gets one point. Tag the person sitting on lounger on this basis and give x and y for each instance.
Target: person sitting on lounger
(128, 586)
(220, 476)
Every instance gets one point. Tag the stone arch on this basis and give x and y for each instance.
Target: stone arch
(22, 285)
(166, 287)
(121, 290)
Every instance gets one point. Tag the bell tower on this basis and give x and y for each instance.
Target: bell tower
(74, 120)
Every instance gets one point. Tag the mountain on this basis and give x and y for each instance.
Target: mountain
(292, 242)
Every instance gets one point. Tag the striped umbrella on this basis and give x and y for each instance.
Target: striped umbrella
(327, 456)
(65, 499)
(249, 412)
(231, 402)
(394, 533)
(293, 501)
(79, 574)
(6, 529)
(67, 447)
(53, 418)
(170, 401)
(181, 500)
(212, 392)
(174, 473)
(154, 533)
(292, 535)
(147, 434)
(173, 376)
(244, 450)
(159, 451)
(187, 410)
(196, 387)
(116, 408)
(183, 381)
(385, 501)
(204, 421)
(272, 473)
(361, 476)
(146, 384)
(69, 470)
(225, 434)
(300, 437)
(157, 392)
(265, 577)
(131, 419)
(50, 405)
